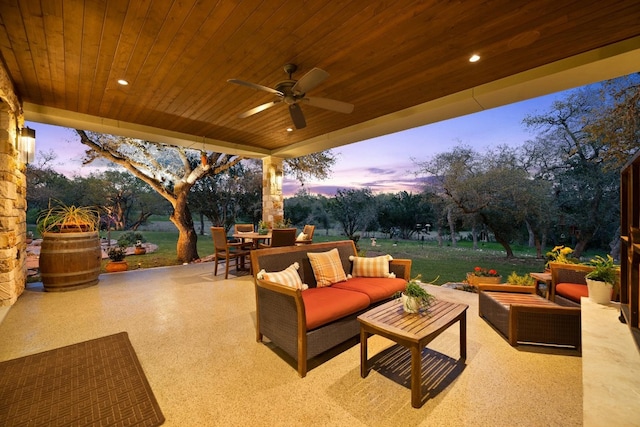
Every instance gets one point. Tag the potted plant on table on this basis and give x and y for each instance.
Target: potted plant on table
(117, 263)
(415, 297)
(602, 280)
(263, 228)
(70, 255)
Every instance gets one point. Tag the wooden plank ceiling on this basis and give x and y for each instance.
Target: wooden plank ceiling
(65, 58)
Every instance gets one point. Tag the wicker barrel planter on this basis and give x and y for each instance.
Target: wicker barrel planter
(474, 280)
(70, 261)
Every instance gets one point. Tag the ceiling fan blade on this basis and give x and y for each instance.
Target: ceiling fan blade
(255, 86)
(297, 116)
(310, 80)
(329, 104)
(257, 109)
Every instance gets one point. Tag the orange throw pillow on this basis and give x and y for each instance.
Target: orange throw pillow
(327, 267)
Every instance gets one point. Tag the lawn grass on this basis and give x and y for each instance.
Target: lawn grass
(440, 264)
(166, 253)
(444, 264)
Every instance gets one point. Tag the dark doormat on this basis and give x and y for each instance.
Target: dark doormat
(93, 383)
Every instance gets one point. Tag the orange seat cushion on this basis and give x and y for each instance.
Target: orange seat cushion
(376, 288)
(324, 305)
(572, 291)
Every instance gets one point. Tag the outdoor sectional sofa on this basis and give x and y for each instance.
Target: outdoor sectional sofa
(306, 323)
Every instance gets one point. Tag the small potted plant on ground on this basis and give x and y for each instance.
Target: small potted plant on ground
(140, 249)
(116, 256)
(483, 275)
(415, 297)
(135, 239)
(602, 280)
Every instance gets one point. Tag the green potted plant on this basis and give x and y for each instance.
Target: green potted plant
(415, 297)
(117, 263)
(263, 228)
(61, 218)
(602, 280)
(70, 255)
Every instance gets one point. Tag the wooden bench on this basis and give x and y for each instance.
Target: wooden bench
(524, 317)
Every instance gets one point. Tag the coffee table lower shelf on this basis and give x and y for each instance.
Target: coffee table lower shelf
(413, 331)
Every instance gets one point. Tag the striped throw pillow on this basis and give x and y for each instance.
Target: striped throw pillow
(371, 267)
(287, 277)
(327, 267)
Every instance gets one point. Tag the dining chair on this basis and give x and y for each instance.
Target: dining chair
(244, 228)
(306, 237)
(223, 249)
(281, 237)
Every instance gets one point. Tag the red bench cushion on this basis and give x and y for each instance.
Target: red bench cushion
(324, 305)
(572, 291)
(376, 288)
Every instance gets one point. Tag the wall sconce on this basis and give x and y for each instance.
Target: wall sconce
(28, 144)
(276, 177)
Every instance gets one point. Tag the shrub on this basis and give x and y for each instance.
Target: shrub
(524, 280)
(130, 238)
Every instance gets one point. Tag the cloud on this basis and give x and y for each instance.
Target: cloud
(411, 185)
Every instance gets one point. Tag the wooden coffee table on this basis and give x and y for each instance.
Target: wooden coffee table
(413, 331)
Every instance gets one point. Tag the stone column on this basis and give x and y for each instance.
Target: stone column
(272, 199)
(13, 190)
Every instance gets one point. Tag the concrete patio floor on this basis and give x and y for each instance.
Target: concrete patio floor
(195, 337)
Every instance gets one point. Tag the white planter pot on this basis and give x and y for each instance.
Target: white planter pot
(410, 304)
(600, 292)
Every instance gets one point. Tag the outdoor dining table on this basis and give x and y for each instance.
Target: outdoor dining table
(254, 236)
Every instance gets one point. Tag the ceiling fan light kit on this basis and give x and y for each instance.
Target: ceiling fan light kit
(292, 92)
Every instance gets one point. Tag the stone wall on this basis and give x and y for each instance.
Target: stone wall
(13, 227)
(272, 198)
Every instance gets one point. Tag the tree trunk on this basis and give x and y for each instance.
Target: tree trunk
(505, 244)
(187, 249)
(201, 224)
(532, 236)
(615, 246)
(581, 245)
(143, 218)
(452, 227)
(474, 235)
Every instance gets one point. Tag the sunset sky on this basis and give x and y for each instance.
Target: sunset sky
(383, 164)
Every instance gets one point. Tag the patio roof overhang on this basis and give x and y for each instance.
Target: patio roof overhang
(402, 64)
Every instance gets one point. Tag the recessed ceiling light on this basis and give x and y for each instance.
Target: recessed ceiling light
(123, 82)
(289, 129)
(474, 58)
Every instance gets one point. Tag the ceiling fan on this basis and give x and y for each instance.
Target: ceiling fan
(292, 92)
